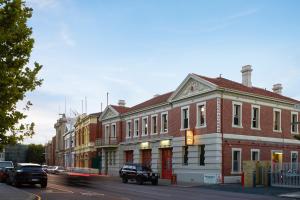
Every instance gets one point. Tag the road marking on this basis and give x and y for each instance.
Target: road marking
(91, 194)
(58, 187)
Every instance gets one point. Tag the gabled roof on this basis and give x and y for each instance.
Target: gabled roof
(97, 114)
(152, 102)
(225, 83)
(120, 109)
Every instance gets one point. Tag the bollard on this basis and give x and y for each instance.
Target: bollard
(243, 179)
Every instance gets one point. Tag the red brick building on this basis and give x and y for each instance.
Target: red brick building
(227, 123)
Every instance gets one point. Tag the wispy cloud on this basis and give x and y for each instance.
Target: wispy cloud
(66, 36)
(43, 4)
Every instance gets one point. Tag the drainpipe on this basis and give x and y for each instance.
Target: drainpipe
(222, 122)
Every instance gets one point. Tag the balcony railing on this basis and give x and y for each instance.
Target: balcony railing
(106, 141)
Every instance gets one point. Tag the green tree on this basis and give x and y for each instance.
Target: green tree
(16, 78)
(35, 154)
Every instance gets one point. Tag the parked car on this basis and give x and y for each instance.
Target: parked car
(56, 170)
(27, 173)
(5, 166)
(45, 168)
(138, 173)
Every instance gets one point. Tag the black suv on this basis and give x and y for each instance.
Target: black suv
(27, 173)
(138, 173)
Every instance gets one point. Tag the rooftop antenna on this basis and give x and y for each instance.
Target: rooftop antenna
(85, 104)
(65, 105)
(81, 106)
(107, 99)
(101, 106)
(220, 76)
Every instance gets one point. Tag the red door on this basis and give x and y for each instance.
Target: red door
(128, 156)
(146, 157)
(166, 163)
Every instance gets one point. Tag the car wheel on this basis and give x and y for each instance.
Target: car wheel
(124, 180)
(139, 180)
(44, 185)
(154, 182)
(16, 183)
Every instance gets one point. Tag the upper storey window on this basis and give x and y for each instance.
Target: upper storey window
(237, 114)
(154, 124)
(277, 120)
(201, 115)
(145, 126)
(294, 126)
(255, 117)
(136, 128)
(185, 118)
(164, 122)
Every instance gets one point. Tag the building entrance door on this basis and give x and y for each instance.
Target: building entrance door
(146, 157)
(129, 156)
(166, 163)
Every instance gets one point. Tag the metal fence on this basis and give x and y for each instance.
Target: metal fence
(285, 175)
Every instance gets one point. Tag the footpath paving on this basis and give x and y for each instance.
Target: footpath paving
(8, 192)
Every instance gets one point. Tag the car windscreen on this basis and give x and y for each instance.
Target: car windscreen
(143, 168)
(5, 164)
(32, 168)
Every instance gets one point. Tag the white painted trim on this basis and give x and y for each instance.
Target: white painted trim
(143, 126)
(255, 150)
(127, 129)
(161, 122)
(197, 115)
(280, 124)
(113, 124)
(181, 117)
(240, 167)
(241, 114)
(258, 101)
(297, 118)
(296, 152)
(106, 132)
(136, 129)
(252, 115)
(198, 98)
(183, 83)
(262, 139)
(152, 127)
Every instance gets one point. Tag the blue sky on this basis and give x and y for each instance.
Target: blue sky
(134, 49)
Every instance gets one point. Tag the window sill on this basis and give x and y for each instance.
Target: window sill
(163, 132)
(198, 127)
(235, 126)
(153, 133)
(184, 129)
(256, 129)
(277, 131)
(236, 173)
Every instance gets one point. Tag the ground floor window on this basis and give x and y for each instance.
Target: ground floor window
(202, 155)
(129, 156)
(294, 160)
(255, 154)
(185, 155)
(236, 160)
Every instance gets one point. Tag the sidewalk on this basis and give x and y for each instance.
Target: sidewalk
(11, 193)
(294, 195)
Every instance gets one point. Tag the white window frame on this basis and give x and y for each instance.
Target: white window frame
(252, 115)
(241, 117)
(136, 129)
(128, 128)
(240, 166)
(107, 132)
(152, 124)
(280, 124)
(294, 152)
(188, 116)
(161, 122)
(255, 150)
(143, 126)
(297, 118)
(198, 125)
(111, 132)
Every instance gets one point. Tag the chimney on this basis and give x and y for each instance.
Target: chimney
(121, 103)
(277, 88)
(156, 95)
(246, 75)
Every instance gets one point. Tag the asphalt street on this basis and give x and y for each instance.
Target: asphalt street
(113, 189)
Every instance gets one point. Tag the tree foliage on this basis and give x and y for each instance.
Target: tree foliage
(16, 78)
(35, 154)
